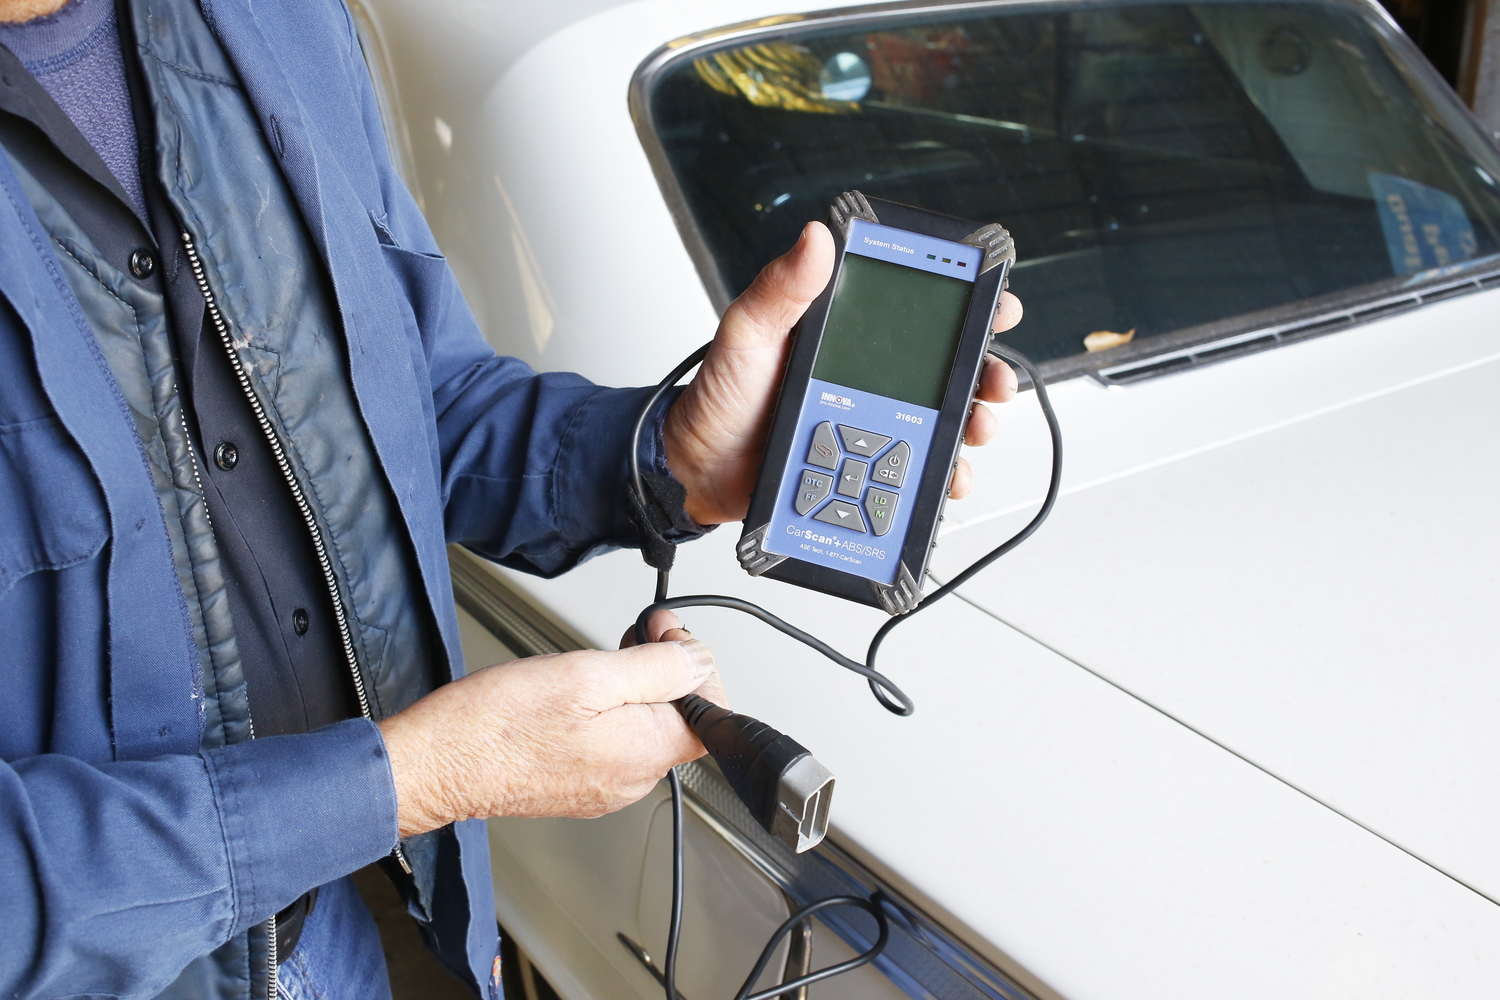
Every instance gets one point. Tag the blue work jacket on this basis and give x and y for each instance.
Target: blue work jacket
(126, 849)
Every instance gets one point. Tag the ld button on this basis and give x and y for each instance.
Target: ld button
(813, 490)
(881, 506)
(891, 469)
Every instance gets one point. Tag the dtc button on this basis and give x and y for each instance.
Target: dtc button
(845, 515)
(881, 506)
(891, 469)
(813, 490)
(824, 451)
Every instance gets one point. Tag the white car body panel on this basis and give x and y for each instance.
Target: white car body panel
(1240, 739)
(1320, 597)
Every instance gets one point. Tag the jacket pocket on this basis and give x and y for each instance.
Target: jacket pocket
(52, 512)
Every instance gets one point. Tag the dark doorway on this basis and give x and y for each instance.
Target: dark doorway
(1438, 27)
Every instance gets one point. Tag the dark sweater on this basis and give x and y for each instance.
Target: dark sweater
(75, 55)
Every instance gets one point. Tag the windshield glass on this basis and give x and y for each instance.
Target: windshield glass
(1161, 166)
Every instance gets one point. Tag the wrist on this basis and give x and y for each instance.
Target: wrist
(421, 804)
(683, 451)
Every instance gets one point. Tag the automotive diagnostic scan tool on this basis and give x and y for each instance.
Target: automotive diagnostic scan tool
(882, 373)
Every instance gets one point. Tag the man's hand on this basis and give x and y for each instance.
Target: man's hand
(716, 430)
(575, 734)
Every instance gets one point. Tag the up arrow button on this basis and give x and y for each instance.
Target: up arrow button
(864, 443)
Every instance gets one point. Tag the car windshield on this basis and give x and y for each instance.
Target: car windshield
(1162, 166)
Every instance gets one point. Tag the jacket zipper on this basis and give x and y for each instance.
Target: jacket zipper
(346, 635)
(273, 961)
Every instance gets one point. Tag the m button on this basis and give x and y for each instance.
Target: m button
(880, 505)
(142, 264)
(845, 515)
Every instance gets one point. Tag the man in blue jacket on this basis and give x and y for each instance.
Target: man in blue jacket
(243, 409)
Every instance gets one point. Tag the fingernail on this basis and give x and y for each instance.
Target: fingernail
(699, 655)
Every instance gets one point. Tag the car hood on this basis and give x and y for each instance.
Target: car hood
(1297, 555)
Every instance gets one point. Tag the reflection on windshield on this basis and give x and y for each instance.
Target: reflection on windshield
(1161, 166)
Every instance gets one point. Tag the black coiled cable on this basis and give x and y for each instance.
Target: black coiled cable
(890, 696)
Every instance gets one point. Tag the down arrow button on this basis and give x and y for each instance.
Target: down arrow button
(845, 515)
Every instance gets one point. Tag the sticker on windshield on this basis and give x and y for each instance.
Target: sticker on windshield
(1424, 228)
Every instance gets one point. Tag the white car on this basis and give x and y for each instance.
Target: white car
(1228, 726)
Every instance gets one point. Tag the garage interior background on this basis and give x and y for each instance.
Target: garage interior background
(1462, 39)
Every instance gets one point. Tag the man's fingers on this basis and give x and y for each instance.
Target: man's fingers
(781, 293)
(962, 481)
(657, 627)
(1008, 313)
(673, 743)
(981, 426)
(997, 381)
(653, 673)
(712, 688)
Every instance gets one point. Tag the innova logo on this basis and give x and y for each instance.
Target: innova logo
(829, 397)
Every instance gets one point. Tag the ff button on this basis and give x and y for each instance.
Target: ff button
(813, 490)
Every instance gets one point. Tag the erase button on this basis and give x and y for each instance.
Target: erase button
(824, 452)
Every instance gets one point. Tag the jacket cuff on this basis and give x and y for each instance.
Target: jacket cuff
(299, 811)
(607, 421)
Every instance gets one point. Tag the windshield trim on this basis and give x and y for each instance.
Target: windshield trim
(1180, 350)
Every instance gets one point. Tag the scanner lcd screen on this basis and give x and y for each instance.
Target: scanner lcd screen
(893, 330)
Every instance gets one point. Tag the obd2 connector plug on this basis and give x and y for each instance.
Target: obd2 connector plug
(782, 784)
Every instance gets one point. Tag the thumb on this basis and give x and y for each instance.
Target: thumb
(781, 292)
(654, 673)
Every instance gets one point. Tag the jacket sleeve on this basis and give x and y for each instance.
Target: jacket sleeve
(534, 467)
(118, 875)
